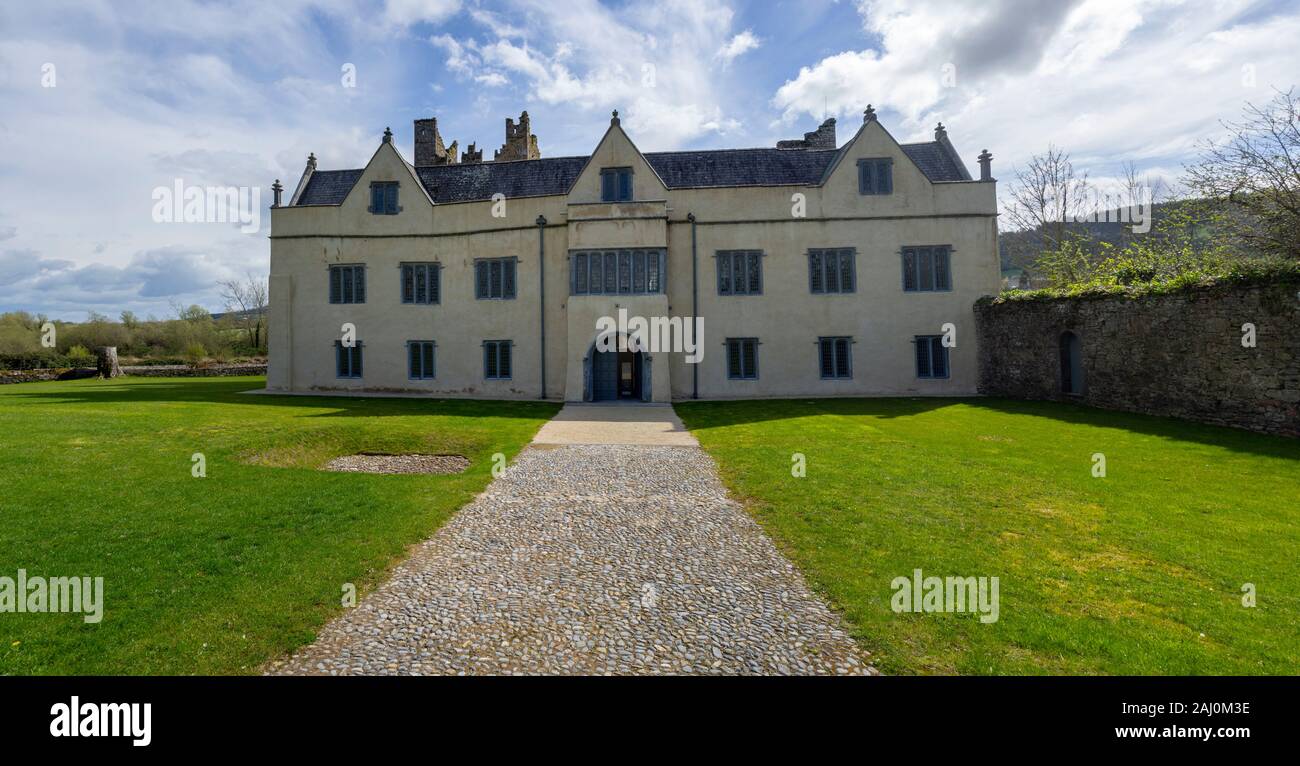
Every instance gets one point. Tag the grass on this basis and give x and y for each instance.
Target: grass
(1139, 572)
(216, 575)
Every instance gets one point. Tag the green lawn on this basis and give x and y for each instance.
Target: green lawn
(1139, 572)
(216, 574)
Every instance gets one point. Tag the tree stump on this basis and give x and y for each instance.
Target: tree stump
(106, 362)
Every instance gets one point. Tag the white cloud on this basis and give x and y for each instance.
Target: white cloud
(653, 63)
(745, 41)
(1108, 80)
(407, 12)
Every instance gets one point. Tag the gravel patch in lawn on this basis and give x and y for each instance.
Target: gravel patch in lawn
(393, 464)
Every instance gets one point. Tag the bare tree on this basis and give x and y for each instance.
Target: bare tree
(1257, 172)
(247, 300)
(1047, 195)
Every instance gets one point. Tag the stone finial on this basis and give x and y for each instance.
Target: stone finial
(311, 161)
(613, 120)
(869, 114)
(940, 132)
(388, 135)
(276, 191)
(986, 166)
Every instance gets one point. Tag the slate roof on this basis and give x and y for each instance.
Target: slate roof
(740, 167)
(679, 170)
(521, 178)
(329, 187)
(935, 161)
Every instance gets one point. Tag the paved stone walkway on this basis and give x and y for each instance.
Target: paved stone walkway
(592, 559)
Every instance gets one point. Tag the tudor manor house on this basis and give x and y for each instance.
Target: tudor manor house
(818, 269)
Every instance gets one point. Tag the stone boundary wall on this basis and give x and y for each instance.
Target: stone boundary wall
(139, 371)
(1178, 355)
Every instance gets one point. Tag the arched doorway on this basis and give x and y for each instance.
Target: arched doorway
(618, 374)
(1071, 364)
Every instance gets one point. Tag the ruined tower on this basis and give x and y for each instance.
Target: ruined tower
(520, 143)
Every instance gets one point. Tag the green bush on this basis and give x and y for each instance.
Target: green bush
(80, 356)
(195, 354)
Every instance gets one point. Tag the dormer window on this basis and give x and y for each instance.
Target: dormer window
(383, 198)
(616, 185)
(876, 176)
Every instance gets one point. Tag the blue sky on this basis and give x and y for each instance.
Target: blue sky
(237, 93)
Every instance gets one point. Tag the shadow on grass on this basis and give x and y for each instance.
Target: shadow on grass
(234, 391)
(720, 414)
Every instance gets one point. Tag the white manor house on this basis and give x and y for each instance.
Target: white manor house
(814, 269)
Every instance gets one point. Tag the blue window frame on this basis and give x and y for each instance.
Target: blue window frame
(347, 360)
(383, 198)
(496, 359)
(834, 357)
(420, 359)
(494, 279)
(832, 270)
(876, 175)
(927, 269)
(421, 283)
(742, 358)
(740, 272)
(348, 284)
(616, 185)
(617, 272)
(931, 357)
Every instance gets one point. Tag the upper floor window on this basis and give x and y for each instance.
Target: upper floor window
(742, 358)
(617, 272)
(419, 359)
(926, 269)
(740, 272)
(494, 278)
(348, 284)
(347, 359)
(421, 283)
(616, 184)
(496, 359)
(876, 176)
(832, 270)
(931, 357)
(834, 357)
(383, 198)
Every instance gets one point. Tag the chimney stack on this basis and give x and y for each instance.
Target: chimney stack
(276, 191)
(986, 166)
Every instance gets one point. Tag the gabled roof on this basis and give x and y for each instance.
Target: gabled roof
(554, 176)
(329, 187)
(519, 178)
(934, 159)
(740, 167)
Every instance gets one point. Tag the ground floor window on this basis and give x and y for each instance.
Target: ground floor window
(742, 358)
(834, 356)
(347, 359)
(496, 359)
(931, 357)
(419, 359)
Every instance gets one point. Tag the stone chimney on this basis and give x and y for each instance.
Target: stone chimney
(429, 149)
(986, 166)
(520, 143)
(471, 155)
(821, 138)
